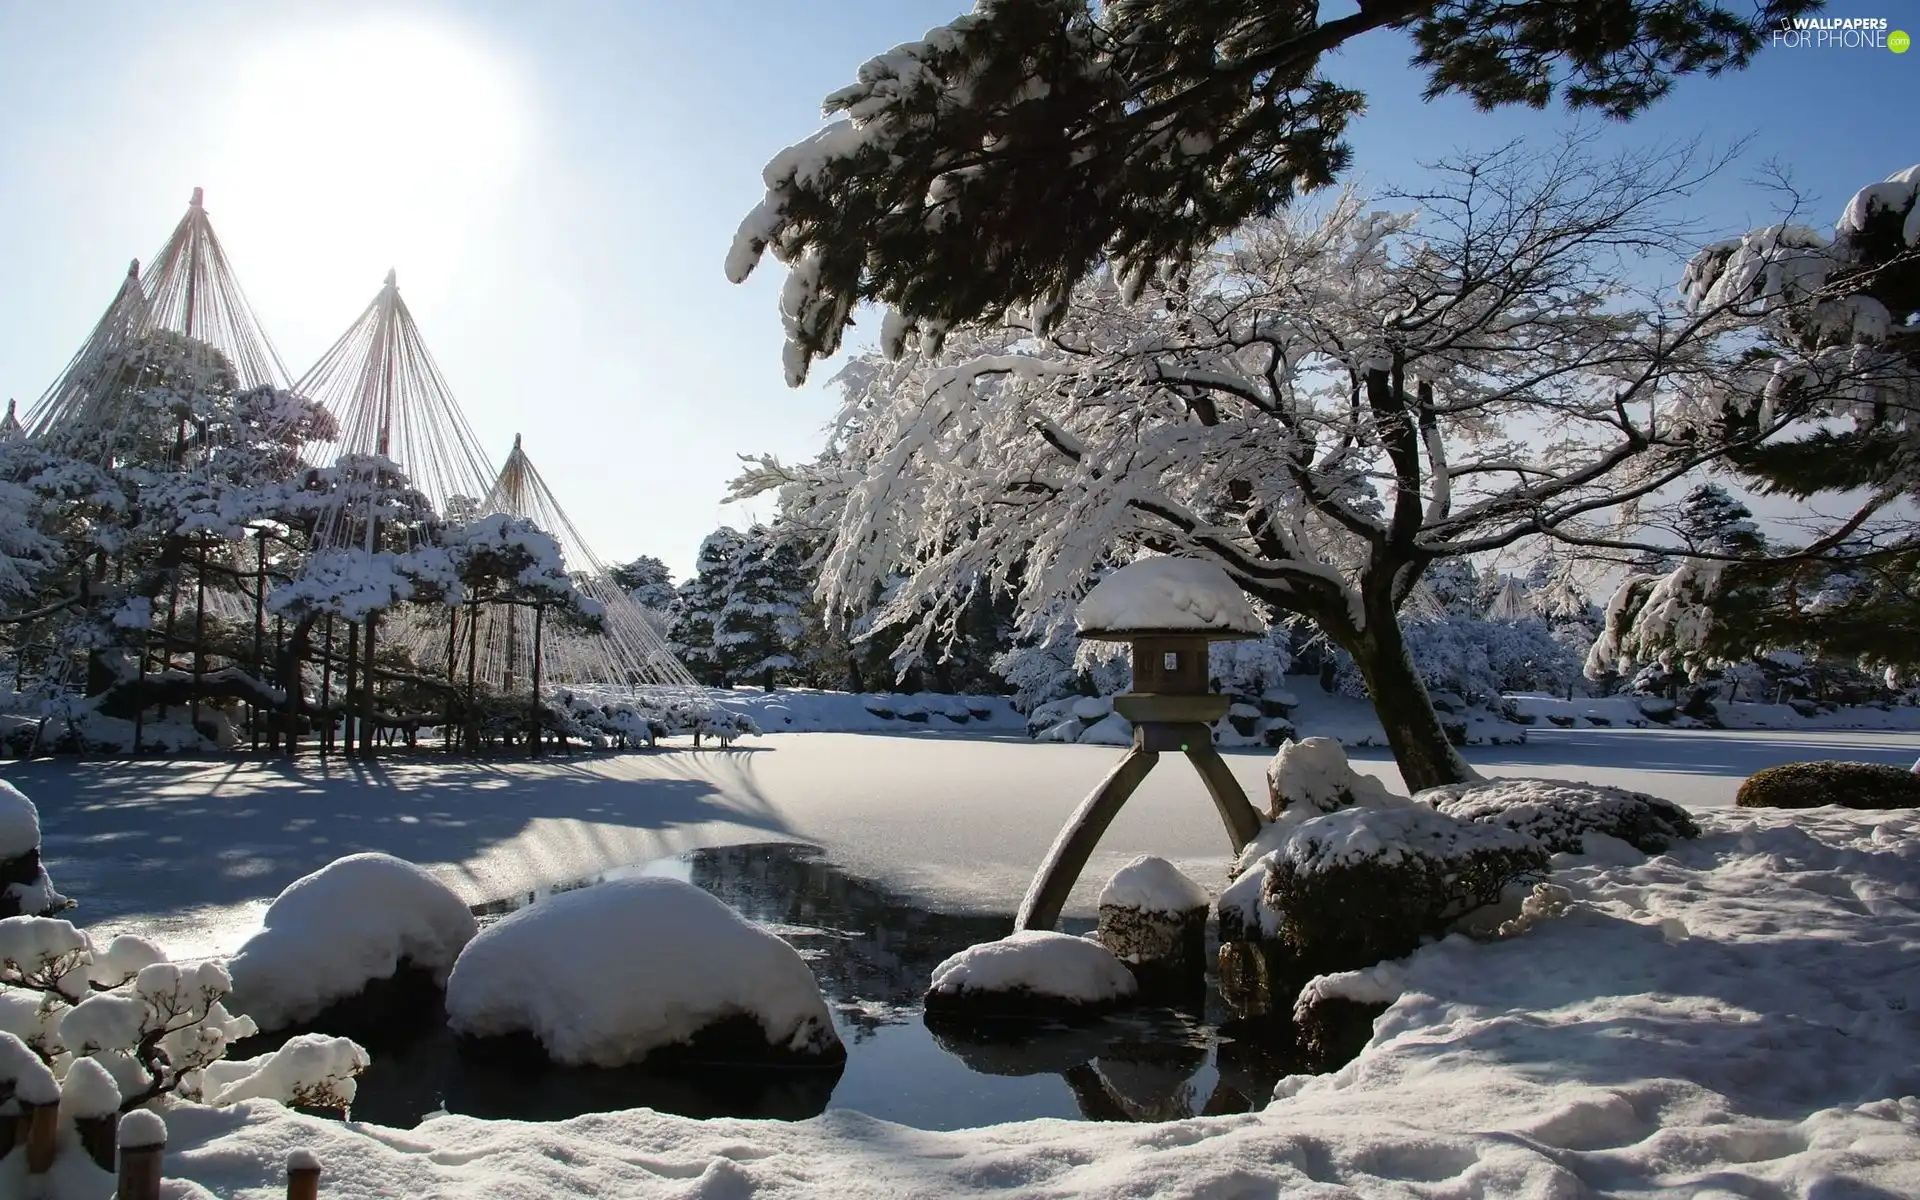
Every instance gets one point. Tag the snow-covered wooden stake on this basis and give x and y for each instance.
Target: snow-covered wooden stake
(303, 1175)
(347, 686)
(143, 1150)
(1169, 609)
(367, 722)
(533, 727)
(41, 1123)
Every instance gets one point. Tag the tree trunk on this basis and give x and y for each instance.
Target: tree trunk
(1420, 746)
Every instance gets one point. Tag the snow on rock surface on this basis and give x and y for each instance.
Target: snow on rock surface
(1152, 884)
(1381, 983)
(1778, 1054)
(1313, 776)
(1040, 962)
(1172, 595)
(605, 974)
(351, 922)
(1391, 835)
(19, 822)
(1564, 815)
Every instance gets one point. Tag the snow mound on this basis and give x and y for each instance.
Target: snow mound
(1563, 814)
(140, 1129)
(311, 1070)
(606, 974)
(1154, 885)
(331, 933)
(88, 1091)
(1381, 983)
(1168, 595)
(28, 1079)
(19, 823)
(1038, 962)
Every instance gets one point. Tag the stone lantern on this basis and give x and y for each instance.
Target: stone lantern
(1169, 609)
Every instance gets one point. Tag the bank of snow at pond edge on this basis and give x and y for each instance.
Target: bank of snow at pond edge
(1740, 1016)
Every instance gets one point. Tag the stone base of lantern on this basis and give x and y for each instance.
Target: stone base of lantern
(1166, 951)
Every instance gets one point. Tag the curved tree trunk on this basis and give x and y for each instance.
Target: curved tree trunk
(1420, 746)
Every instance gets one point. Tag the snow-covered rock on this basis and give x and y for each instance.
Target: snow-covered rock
(310, 1070)
(1333, 1017)
(1110, 730)
(1312, 776)
(1564, 815)
(19, 823)
(356, 920)
(1032, 973)
(1091, 708)
(25, 887)
(1154, 919)
(1168, 595)
(609, 974)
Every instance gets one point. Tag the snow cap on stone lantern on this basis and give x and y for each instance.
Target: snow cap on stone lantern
(1169, 608)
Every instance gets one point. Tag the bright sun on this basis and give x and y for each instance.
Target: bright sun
(357, 147)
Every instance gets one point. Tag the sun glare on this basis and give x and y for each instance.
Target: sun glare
(358, 147)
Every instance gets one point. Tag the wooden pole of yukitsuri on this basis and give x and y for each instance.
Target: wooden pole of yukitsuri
(140, 1164)
(367, 722)
(473, 657)
(453, 673)
(199, 635)
(290, 686)
(533, 727)
(347, 725)
(326, 691)
(259, 623)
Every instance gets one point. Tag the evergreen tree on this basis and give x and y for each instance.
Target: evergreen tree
(757, 626)
(694, 635)
(647, 580)
(1713, 522)
(993, 164)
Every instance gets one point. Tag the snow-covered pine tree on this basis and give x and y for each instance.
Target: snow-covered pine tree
(697, 607)
(757, 626)
(992, 165)
(1842, 319)
(648, 581)
(1261, 412)
(1712, 521)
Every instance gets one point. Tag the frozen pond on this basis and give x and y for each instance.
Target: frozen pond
(189, 851)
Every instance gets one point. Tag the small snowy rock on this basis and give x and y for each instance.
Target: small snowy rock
(1092, 708)
(354, 921)
(1154, 919)
(1168, 595)
(1111, 730)
(19, 823)
(1033, 972)
(607, 974)
(1312, 777)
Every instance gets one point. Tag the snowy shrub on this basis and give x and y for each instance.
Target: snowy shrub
(1847, 784)
(153, 1027)
(361, 918)
(1364, 885)
(616, 973)
(1558, 814)
(1033, 973)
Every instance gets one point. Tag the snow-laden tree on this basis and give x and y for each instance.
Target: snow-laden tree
(757, 625)
(648, 581)
(1326, 405)
(702, 596)
(996, 162)
(1712, 521)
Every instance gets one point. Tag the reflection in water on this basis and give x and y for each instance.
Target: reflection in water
(873, 952)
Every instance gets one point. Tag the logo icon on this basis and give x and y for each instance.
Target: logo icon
(1898, 41)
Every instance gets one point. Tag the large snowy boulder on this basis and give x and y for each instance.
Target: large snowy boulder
(368, 932)
(1364, 885)
(1563, 815)
(25, 887)
(1848, 784)
(1312, 776)
(642, 969)
(1032, 974)
(1168, 595)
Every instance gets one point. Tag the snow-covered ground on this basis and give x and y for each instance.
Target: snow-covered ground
(190, 851)
(1740, 1018)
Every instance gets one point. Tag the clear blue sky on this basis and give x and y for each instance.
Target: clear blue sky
(557, 186)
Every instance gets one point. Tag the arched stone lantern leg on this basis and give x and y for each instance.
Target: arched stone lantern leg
(1169, 609)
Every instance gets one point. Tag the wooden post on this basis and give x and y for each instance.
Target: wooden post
(367, 723)
(140, 1165)
(259, 623)
(453, 674)
(534, 731)
(326, 691)
(99, 1138)
(473, 657)
(199, 635)
(303, 1175)
(347, 723)
(43, 1127)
